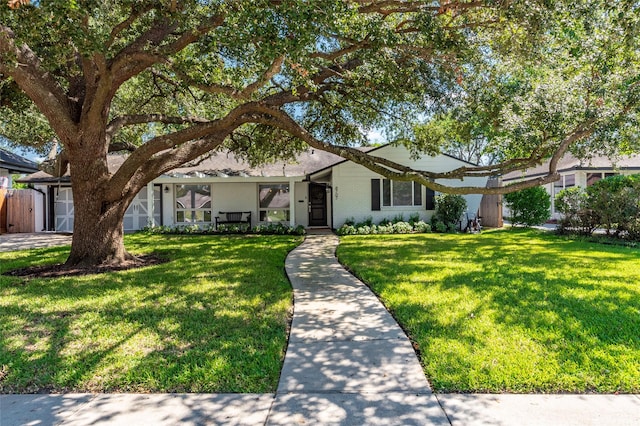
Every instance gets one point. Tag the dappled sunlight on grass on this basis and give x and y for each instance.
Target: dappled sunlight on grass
(510, 310)
(212, 319)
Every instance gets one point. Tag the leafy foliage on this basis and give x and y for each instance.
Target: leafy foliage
(509, 83)
(572, 204)
(529, 206)
(448, 212)
(395, 226)
(612, 203)
(266, 229)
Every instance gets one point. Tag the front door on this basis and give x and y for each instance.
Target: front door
(317, 205)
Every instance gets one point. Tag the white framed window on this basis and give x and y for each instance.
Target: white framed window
(274, 202)
(397, 193)
(193, 203)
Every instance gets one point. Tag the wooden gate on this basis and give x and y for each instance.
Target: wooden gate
(3, 211)
(491, 207)
(20, 211)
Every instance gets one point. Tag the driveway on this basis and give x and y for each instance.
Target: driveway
(12, 242)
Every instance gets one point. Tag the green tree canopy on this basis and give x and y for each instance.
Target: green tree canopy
(171, 81)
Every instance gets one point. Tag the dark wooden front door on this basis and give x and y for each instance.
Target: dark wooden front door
(317, 205)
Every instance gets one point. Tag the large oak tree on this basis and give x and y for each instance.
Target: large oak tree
(171, 81)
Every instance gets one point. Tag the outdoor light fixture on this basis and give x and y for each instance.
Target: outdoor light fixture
(166, 189)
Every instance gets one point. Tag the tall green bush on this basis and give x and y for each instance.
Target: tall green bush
(529, 207)
(617, 201)
(449, 210)
(576, 215)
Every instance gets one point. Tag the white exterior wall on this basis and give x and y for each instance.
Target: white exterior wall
(352, 187)
(301, 193)
(168, 216)
(235, 197)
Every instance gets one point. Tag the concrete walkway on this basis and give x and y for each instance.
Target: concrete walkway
(348, 363)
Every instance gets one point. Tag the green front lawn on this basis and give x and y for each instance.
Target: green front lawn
(213, 319)
(510, 310)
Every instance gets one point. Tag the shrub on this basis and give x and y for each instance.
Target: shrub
(421, 227)
(440, 227)
(395, 228)
(272, 228)
(616, 199)
(414, 218)
(576, 216)
(364, 230)
(449, 210)
(402, 228)
(398, 218)
(384, 222)
(529, 206)
(346, 229)
(350, 221)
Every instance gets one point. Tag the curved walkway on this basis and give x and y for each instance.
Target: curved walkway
(348, 363)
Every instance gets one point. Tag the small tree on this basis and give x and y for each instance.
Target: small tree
(529, 206)
(449, 210)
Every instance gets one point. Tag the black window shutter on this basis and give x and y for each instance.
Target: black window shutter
(375, 194)
(431, 199)
(417, 194)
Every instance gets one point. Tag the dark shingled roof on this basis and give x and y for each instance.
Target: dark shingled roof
(224, 164)
(569, 162)
(15, 163)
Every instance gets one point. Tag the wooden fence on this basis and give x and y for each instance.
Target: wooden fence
(20, 212)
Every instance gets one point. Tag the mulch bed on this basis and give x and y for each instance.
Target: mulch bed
(62, 270)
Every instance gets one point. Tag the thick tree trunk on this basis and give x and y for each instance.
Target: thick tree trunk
(97, 236)
(98, 221)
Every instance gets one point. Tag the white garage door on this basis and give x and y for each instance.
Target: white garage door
(63, 210)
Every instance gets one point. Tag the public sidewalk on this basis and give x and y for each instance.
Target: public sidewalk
(347, 363)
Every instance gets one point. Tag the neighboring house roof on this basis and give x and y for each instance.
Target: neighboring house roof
(15, 163)
(570, 163)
